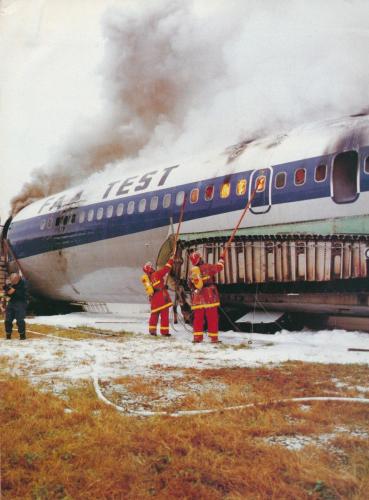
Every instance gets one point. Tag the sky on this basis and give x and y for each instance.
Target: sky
(48, 79)
(90, 86)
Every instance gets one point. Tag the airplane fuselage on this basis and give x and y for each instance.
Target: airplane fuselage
(88, 243)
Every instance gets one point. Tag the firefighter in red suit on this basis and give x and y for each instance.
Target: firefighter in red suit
(205, 297)
(159, 297)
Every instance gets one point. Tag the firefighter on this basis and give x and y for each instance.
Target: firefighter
(205, 297)
(15, 292)
(159, 297)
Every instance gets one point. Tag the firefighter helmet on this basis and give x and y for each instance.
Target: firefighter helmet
(195, 258)
(148, 268)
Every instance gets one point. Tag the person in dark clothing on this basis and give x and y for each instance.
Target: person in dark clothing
(15, 292)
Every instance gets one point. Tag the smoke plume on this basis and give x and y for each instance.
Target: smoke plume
(182, 78)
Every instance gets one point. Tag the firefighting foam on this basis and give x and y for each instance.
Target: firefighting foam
(180, 78)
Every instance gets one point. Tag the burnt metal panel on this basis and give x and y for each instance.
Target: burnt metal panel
(283, 258)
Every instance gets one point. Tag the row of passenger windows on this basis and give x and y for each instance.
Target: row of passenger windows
(142, 205)
(91, 214)
(320, 175)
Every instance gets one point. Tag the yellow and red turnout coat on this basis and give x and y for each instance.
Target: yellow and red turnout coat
(160, 299)
(208, 295)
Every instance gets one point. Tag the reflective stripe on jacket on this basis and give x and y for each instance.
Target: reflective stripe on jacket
(208, 295)
(161, 298)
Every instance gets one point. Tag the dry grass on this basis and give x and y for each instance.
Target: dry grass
(78, 333)
(75, 447)
(93, 451)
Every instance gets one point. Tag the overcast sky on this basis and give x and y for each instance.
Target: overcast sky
(70, 68)
(49, 52)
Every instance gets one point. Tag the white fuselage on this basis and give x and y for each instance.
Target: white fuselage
(88, 243)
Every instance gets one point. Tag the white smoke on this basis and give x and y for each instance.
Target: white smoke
(183, 77)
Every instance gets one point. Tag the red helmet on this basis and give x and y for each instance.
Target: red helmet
(195, 258)
(148, 268)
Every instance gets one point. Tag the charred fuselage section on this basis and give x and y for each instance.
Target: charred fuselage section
(308, 277)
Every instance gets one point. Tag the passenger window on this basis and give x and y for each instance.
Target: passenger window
(65, 220)
(300, 176)
(167, 200)
(280, 180)
(366, 165)
(120, 209)
(57, 221)
(131, 207)
(154, 203)
(90, 215)
(81, 217)
(241, 187)
(99, 213)
(142, 205)
(109, 211)
(194, 196)
(43, 224)
(225, 190)
(209, 192)
(260, 183)
(73, 219)
(320, 173)
(180, 198)
(49, 222)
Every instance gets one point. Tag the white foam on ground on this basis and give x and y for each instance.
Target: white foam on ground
(141, 354)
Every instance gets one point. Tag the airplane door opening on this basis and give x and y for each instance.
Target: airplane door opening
(262, 199)
(345, 177)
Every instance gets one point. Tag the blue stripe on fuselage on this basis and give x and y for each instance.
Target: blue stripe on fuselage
(28, 239)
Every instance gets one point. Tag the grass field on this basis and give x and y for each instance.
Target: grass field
(67, 444)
